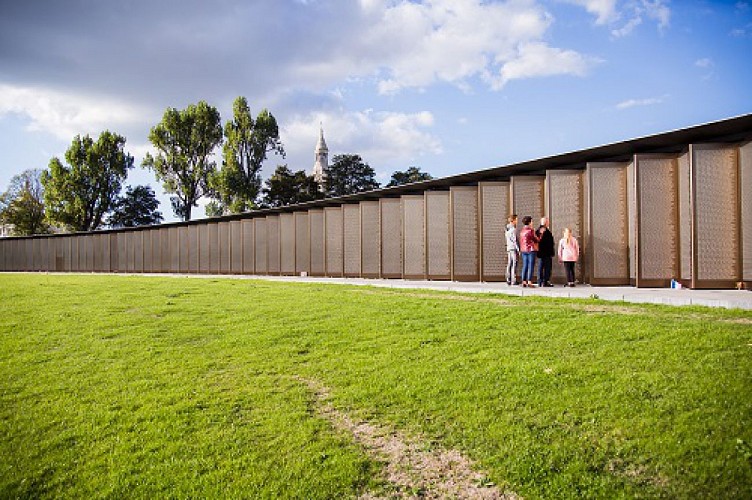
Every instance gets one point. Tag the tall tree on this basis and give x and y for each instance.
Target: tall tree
(412, 174)
(285, 187)
(348, 174)
(185, 140)
(78, 195)
(138, 207)
(237, 186)
(22, 204)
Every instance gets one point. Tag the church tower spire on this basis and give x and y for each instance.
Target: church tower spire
(321, 159)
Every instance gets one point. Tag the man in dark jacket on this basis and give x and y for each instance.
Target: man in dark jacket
(546, 252)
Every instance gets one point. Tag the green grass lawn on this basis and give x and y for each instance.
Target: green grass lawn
(150, 387)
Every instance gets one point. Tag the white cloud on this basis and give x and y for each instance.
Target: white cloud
(65, 114)
(627, 28)
(637, 11)
(631, 103)
(538, 60)
(605, 10)
(704, 63)
(384, 139)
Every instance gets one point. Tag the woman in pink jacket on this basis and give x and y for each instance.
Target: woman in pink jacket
(569, 252)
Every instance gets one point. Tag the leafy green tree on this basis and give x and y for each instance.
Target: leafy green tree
(138, 207)
(412, 174)
(285, 187)
(237, 186)
(348, 174)
(22, 204)
(185, 140)
(78, 195)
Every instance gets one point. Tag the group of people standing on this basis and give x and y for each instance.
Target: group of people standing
(538, 243)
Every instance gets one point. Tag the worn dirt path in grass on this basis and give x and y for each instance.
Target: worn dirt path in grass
(412, 469)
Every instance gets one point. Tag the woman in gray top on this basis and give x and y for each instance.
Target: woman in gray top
(513, 249)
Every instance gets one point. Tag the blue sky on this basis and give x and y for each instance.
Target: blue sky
(448, 85)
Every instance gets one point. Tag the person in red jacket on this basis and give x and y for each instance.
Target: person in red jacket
(528, 243)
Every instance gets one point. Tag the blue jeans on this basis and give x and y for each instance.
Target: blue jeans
(528, 264)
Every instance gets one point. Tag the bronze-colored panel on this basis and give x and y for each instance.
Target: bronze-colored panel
(98, 253)
(657, 219)
(745, 182)
(249, 247)
(194, 247)
(36, 264)
(174, 249)
(716, 203)
(287, 244)
(204, 265)
(527, 197)
(213, 235)
(156, 250)
(632, 226)
(565, 207)
(494, 210)
(391, 237)
(414, 234)
(130, 239)
(609, 238)
(351, 228)
(685, 219)
(262, 246)
(302, 244)
(74, 250)
(184, 251)
(165, 249)
(236, 247)
(89, 253)
(4, 254)
(438, 241)
(149, 265)
(272, 235)
(333, 224)
(316, 222)
(49, 255)
(465, 233)
(370, 239)
(224, 247)
(138, 251)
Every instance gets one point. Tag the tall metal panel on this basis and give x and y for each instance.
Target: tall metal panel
(98, 253)
(494, 211)
(37, 254)
(287, 244)
(391, 237)
(194, 247)
(49, 255)
(632, 220)
(318, 250)
(657, 219)
(173, 236)
(261, 245)
(565, 207)
(352, 250)
(236, 247)
(148, 251)
(272, 235)
(333, 224)
(370, 239)
(164, 250)
(249, 247)
(715, 179)
(438, 242)
(156, 250)
(302, 244)
(4, 254)
(74, 257)
(608, 255)
(204, 256)
(414, 236)
(745, 181)
(114, 253)
(185, 249)
(465, 233)
(138, 251)
(213, 235)
(527, 197)
(685, 219)
(89, 262)
(224, 247)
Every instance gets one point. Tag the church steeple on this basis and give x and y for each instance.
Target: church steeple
(321, 159)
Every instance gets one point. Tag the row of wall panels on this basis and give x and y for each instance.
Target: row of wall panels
(642, 222)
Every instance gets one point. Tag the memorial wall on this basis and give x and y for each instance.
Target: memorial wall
(644, 213)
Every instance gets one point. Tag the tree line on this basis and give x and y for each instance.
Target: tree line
(85, 192)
